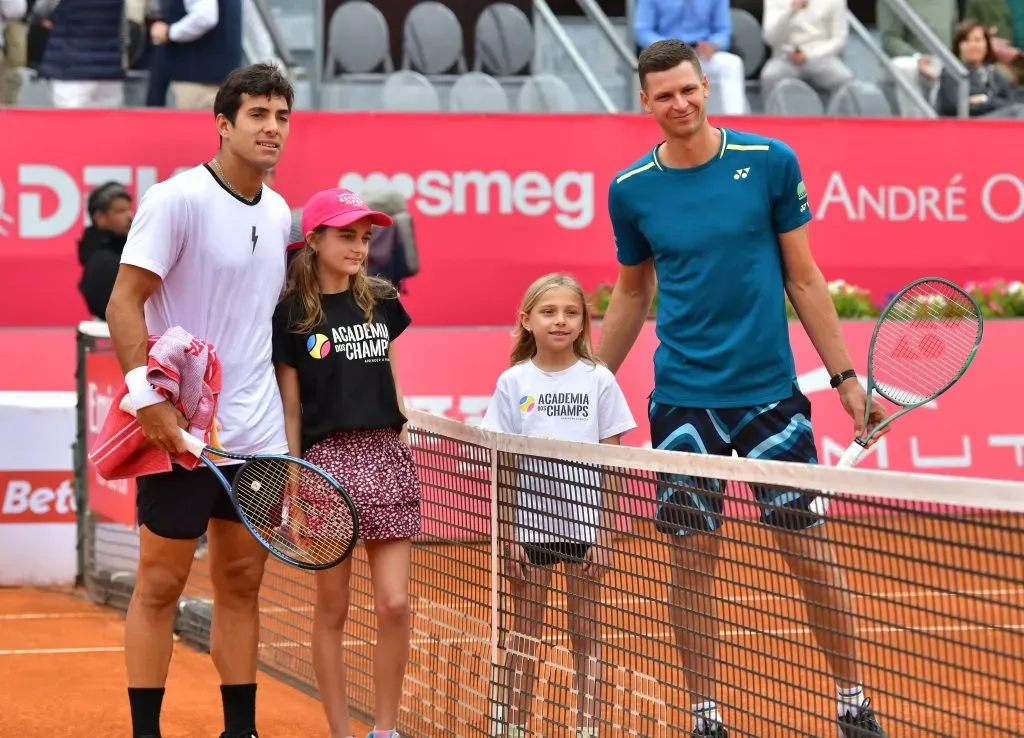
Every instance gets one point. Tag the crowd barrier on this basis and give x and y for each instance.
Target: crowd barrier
(501, 199)
(38, 539)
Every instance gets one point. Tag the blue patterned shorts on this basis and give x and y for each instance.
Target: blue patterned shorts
(778, 431)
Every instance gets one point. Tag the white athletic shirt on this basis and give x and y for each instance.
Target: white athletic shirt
(581, 403)
(222, 262)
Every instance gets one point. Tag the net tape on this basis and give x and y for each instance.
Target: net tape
(934, 589)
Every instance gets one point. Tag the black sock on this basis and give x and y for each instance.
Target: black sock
(145, 704)
(239, 708)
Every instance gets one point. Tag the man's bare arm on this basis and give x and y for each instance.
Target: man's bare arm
(126, 316)
(126, 319)
(808, 292)
(628, 308)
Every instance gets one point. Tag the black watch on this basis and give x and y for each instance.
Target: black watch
(838, 379)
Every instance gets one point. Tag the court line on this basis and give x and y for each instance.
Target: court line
(634, 600)
(663, 634)
(56, 651)
(53, 615)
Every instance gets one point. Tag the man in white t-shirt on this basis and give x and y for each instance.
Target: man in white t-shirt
(206, 252)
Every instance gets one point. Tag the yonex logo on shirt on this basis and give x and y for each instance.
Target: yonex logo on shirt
(741, 173)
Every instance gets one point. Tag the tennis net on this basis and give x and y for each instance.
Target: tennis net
(919, 577)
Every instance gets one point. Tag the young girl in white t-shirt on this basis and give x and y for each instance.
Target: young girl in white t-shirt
(556, 389)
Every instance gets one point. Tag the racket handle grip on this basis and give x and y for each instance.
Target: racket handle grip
(852, 455)
(192, 444)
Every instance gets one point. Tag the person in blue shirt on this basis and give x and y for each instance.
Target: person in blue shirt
(716, 220)
(706, 25)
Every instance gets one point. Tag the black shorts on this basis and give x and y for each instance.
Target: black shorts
(779, 431)
(178, 504)
(549, 554)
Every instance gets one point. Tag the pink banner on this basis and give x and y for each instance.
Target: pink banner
(501, 199)
(976, 429)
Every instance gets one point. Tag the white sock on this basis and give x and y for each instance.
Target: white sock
(705, 715)
(850, 699)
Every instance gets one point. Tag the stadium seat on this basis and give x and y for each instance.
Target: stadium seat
(794, 97)
(858, 99)
(432, 40)
(409, 91)
(747, 41)
(504, 40)
(545, 93)
(357, 40)
(478, 92)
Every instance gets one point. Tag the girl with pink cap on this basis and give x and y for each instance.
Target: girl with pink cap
(334, 353)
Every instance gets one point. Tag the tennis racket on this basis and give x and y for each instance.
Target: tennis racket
(295, 509)
(923, 343)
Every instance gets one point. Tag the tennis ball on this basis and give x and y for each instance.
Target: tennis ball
(255, 486)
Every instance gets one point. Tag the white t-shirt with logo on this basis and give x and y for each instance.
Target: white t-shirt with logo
(222, 262)
(582, 403)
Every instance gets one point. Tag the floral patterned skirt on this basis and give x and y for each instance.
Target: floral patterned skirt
(379, 473)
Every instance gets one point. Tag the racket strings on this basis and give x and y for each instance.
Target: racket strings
(295, 510)
(924, 342)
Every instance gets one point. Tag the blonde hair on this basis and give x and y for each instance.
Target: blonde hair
(525, 346)
(305, 284)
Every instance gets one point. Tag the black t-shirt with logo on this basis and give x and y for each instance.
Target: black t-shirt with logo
(345, 379)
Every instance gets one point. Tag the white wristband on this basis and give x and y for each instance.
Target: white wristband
(141, 392)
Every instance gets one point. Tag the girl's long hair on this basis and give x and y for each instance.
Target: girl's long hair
(304, 283)
(525, 345)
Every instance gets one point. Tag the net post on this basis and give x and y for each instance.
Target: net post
(81, 497)
(495, 667)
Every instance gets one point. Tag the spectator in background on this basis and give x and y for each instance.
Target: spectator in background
(1006, 33)
(912, 59)
(111, 211)
(807, 39)
(13, 49)
(84, 56)
(706, 26)
(204, 45)
(991, 95)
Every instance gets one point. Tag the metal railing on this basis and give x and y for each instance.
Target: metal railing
(625, 51)
(543, 12)
(950, 63)
(911, 90)
(273, 32)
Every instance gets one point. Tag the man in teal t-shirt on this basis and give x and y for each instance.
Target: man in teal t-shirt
(718, 220)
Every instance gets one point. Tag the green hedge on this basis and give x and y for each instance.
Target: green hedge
(997, 299)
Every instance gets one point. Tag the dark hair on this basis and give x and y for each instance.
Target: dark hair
(100, 199)
(256, 80)
(664, 55)
(963, 30)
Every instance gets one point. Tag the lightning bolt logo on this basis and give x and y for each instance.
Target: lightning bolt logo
(255, 238)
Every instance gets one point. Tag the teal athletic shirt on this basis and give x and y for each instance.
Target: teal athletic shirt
(712, 230)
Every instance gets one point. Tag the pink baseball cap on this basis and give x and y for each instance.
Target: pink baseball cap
(337, 207)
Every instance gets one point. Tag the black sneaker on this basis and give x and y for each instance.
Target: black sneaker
(713, 731)
(861, 725)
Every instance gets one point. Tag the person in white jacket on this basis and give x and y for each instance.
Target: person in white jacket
(13, 48)
(807, 39)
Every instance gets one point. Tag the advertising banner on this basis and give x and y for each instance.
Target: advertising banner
(499, 200)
